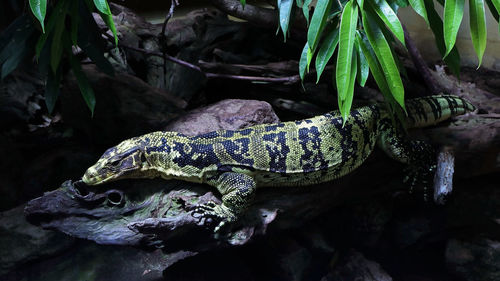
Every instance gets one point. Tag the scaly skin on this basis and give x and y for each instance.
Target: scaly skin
(295, 153)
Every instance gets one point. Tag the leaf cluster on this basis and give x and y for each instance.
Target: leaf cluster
(364, 34)
(67, 31)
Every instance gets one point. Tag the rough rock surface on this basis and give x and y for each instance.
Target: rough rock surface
(476, 259)
(22, 242)
(125, 107)
(229, 114)
(355, 266)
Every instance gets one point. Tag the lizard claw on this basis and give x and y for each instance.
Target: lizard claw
(212, 210)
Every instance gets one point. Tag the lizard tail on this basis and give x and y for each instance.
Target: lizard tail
(428, 111)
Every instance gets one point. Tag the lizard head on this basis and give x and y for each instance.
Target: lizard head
(125, 160)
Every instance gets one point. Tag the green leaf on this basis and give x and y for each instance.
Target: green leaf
(75, 21)
(243, 2)
(347, 35)
(56, 50)
(387, 15)
(305, 60)
(83, 83)
(376, 69)
(39, 7)
(285, 11)
(436, 25)
(57, 13)
(17, 44)
(326, 51)
(496, 3)
(52, 89)
(478, 27)
(13, 61)
(108, 19)
(346, 103)
(453, 13)
(419, 7)
(384, 55)
(318, 22)
(111, 25)
(90, 41)
(102, 6)
(494, 6)
(396, 4)
(363, 68)
(305, 9)
(14, 37)
(360, 4)
(377, 74)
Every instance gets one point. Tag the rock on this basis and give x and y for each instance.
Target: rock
(88, 261)
(230, 114)
(354, 266)
(22, 242)
(474, 259)
(125, 107)
(19, 95)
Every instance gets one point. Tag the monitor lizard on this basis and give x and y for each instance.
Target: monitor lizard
(296, 153)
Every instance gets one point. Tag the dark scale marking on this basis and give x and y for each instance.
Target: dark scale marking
(308, 121)
(211, 135)
(347, 144)
(419, 110)
(309, 160)
(452, 103)
(239, 150)
(228, 134)
(163, 147)
(435, 110)
(412, 118)
(204, 152)
(362, 124)
(278, 151)
(272, 128)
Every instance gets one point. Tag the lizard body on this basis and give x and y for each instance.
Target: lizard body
(294, 153)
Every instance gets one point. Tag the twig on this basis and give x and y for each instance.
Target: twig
(340, 5)
(162, 37)
(168, 57)
(420, 64)
(278, 68)
(264, 17)
(287, 80)
(174, 4)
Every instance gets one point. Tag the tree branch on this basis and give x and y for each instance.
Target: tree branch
(420, 64)
(286, 80)
(174, 4)
(264, 17)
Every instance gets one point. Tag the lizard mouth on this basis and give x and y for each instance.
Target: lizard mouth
(93, 177)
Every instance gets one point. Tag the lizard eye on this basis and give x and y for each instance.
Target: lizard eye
(115, 163)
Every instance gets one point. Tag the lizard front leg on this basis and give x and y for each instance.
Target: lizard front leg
(237, 191)
(418, 155)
